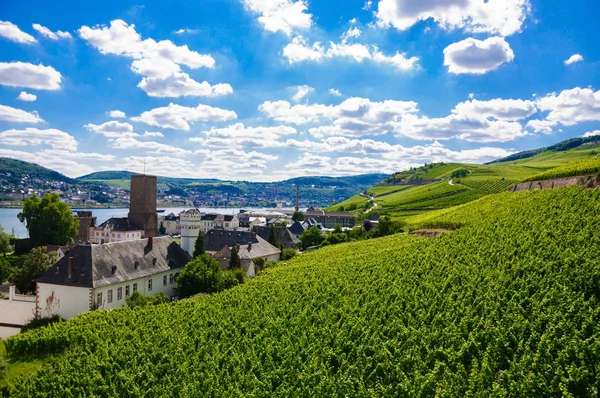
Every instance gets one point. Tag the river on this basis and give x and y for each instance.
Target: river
(12, 225)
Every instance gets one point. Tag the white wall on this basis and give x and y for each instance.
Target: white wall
(68, 301)
(16, 312)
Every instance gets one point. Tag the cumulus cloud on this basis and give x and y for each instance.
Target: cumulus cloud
(22, 74)
(112, 129)
(301, 92)
(153, 134)
(477, 57)
(150, 146)
(592, 134)
(573, 59)
(24, 96)
(502, 17)
(236, 164)
(298, 50)
(335, 92)
(280, 15)
(571, 106)
(13, 33)
(117, 114)
(353, 32)
(541, 126)
(44, 31)
(501, 109)
(186, 31)
(30, 136)
(66, 162)
(238, 135)
(158, 62)
(178, 117)
(10, 114)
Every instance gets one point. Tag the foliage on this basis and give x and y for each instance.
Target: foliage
(235, 261)
(272, 237)
(459, 173)
(48, 220)
(298, 216)
(581, 167)
(387, 226)
(233, 278)
(288, 254)
(41, 322)
(201, 275)
(335, 238)
(4, 241)
(199, 246)
(367, 225)
(139, 300)
(34, 264)
(311, 237)
(359, 233)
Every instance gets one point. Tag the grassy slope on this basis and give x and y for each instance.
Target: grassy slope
(507, 305)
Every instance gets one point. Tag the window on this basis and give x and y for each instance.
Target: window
(99, 300)
(120, 293)
(135, 287)
(149, 284)
(110, 296)
(164, 280)
(127, 291)
(171, 279)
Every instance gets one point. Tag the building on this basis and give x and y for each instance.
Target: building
(331, 219)
(170, 223)
(192, 222)
(86, 223)
(297, 228)
(103, 276)
(256, 248)
(115, 230)
(284, 236)
(216, 239)
(142, 204)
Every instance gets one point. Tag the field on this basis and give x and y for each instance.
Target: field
(508, 304)
(381, 190)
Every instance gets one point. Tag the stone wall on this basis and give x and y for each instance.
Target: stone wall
(587, 181)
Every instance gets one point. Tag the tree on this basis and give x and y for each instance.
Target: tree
(288, 254)
(138, 300)
(337, 229)
(235, 261)
(162, 230)
(367, 225)
(298, 216)
(201, 275)
(35, 263)
(272, 237)
(48, 220)
(199, 246)
(4, 241)
(311, 237)
(387, 227)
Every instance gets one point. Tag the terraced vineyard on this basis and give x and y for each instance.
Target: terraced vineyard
(506, 305)
(486, 185)
(580, 167)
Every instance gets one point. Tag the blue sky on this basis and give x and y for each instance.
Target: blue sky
(271, 89)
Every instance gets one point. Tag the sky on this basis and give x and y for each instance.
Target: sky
(265, 90)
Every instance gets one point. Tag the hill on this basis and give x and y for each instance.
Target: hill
(507, 304)
(13, 171)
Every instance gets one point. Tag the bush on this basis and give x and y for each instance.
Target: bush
(335, 238)
(288, 254)
(138, 300)
(201, 275)
(229, 279)
(41, 322)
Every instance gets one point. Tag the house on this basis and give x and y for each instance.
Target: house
(297, 229)
(193, 222)
(331, 219)
(249, 252)
(60, 251)
(103, 276)
(216, 239)
(284, 236)
(311, 222)
(115, 230)
(170, 223)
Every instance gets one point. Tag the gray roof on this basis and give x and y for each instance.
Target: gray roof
(297, 228)
(335, 214)
(216, 239)
(93, 264)
(119, 224)
(247, 253)
(284, 236)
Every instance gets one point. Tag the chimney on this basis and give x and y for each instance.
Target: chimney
(249, 246)
(150, 243)
(70, 267)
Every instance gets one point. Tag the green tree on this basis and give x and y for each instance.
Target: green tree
(311, 237)
(162, 230)
(138, 300)
(201, 275)
(388, 227)
(48, 220)
(288, 254)
(4, 241)
(337, 229)
(235, 261)
(272, 237)
(199, 246)
(298, 216)
(35, 263)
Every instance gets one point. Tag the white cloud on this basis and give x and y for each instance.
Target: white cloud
(186, 31)
(353, 32)
(153, 134)
(368, 4)
(112, 129)
(299, 50)
(541, 126)
(53, 138)
(18, 115)
(24, 96)
(592, 134)
(236, 164)
(22, 74)
(178, 117)
(502, 17)
(13, 33)
(281, 15)
(168, 166)
(152, 146)
(573, 59)
(502, 109)
(302, 91)
(63, 161)
(335, 92)
(117, 114)
(477, 57)
(158, 62)
(238, 135)
(571, 106)
(44, 31)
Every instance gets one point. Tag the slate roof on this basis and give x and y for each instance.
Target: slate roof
(336, 214)
(216, 239)
(255, 250)
(93, 264)
(171, 217)
(119, 224)
(297, 228)
(284, 236)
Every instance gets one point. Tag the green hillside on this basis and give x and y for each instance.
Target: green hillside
(13, 171)
(508, 304)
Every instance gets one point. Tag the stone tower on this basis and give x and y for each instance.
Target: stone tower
(142, 204)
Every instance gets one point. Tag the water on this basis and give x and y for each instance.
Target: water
(12, 225)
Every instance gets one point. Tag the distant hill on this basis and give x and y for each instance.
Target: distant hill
(107, 175)
(560, 147)
(14, 170)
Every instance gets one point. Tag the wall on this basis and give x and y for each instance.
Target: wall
(66, 301)
(588, 181)
(17, 311)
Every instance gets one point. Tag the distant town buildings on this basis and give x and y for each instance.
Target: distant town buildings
(192, 222)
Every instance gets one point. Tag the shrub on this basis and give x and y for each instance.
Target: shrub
(288, 254)
(201, 275)
(41, 322)
(138, 300)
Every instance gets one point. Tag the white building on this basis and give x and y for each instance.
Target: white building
(103, 276)
(256, 248)
(193, 222)
(170, 223)
(115, 230)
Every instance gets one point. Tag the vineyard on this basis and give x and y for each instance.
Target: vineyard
(486, 185)
(507, 304)
(581, 167)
